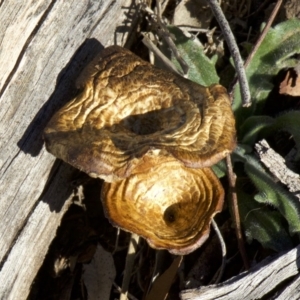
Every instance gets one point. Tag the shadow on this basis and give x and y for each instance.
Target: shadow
(58, 185)
(132, 17)
(32, 140)
(58, 188)
(181, 215)
(164, 119)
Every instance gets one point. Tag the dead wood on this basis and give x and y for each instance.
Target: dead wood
(44, 46)
(259, 281)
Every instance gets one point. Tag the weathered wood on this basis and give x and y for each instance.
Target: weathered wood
(44, 45)
(277, 166)
(291, 292)
(264, 278)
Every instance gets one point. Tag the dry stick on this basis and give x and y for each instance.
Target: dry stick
(234, 50)
(223, 248)
(164, 6)
(260, 39)
(150, 45)
(276, 164)
(263, 33)
(163, 31)
(260, 8)
(236, 216)
(166, 36)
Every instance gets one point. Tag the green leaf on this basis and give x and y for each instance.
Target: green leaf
(269, 211)
(258, 127)
(220, 168)
(252, 127)
(275, 53)
(273, 194)
(201, 68)
(261, 223)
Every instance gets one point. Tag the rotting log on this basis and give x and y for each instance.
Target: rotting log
(44, 46)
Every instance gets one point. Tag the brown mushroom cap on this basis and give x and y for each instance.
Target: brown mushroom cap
(168, 204)
(128, 107)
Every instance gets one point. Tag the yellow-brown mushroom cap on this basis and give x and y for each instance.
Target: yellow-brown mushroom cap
(128, 108)
(168, 204)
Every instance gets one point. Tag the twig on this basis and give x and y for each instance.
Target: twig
(164, 5)
(129, 265)
(260, 8)
(260, 39)
(234, 50)
(148, 43)
(236, 215)
(223, 248)
(187, 28)
(276, 165)
(263, 33)
(164, 33)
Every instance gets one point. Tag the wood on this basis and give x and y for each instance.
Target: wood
(259, 281)
(277, 166)
(44, 46)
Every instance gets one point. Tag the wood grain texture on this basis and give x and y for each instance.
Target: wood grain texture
(259, 281)
(276, 164)
(44, 46)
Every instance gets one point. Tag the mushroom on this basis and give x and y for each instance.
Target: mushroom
(128, 107)
(151, 135)
(167, 203)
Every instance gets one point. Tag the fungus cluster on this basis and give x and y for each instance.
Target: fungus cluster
(151, 135)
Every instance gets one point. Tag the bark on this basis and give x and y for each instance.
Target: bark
(277, 166)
